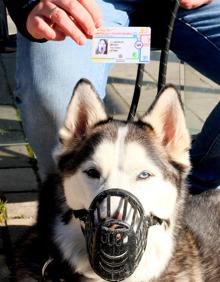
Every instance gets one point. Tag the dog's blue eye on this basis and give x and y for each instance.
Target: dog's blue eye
(93, 173)
(143, 175)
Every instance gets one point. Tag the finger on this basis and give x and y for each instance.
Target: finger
(63, 21)
(40, 29)
(94, 10)
(51, 15)
(79, 14)
(59, 33)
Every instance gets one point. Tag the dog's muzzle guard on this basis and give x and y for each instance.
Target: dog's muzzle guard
(116, 240)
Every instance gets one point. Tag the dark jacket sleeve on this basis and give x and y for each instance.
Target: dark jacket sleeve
(19, 11)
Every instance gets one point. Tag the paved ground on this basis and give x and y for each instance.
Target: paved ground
(18, 174)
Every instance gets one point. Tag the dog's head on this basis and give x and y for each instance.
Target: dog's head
(148, 158)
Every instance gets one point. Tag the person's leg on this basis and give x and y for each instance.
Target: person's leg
(46, 75)
(205, 155)
(196, 40)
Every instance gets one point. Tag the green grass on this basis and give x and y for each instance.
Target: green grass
(3, 211)
(30, 151)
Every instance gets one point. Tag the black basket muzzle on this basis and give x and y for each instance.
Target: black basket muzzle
(115, 233)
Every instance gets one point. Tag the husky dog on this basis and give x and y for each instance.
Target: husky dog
(169, 235)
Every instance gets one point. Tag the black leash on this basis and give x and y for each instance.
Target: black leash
(163, 64)
(165, 50)
(137, 92)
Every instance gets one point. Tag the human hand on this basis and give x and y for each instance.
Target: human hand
(56, 19)
(192, 4)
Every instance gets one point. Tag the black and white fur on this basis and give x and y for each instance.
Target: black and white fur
(149, 158)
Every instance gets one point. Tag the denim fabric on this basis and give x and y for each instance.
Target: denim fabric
(47, 73)
(196, 40)
(205, 155)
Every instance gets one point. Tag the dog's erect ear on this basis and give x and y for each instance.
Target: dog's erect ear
(166, 116)
(84, 111)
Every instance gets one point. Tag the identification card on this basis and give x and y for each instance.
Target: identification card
(121, 45)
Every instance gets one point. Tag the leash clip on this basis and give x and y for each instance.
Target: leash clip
(44, 268)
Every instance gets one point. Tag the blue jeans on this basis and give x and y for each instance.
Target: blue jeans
(47, 73)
